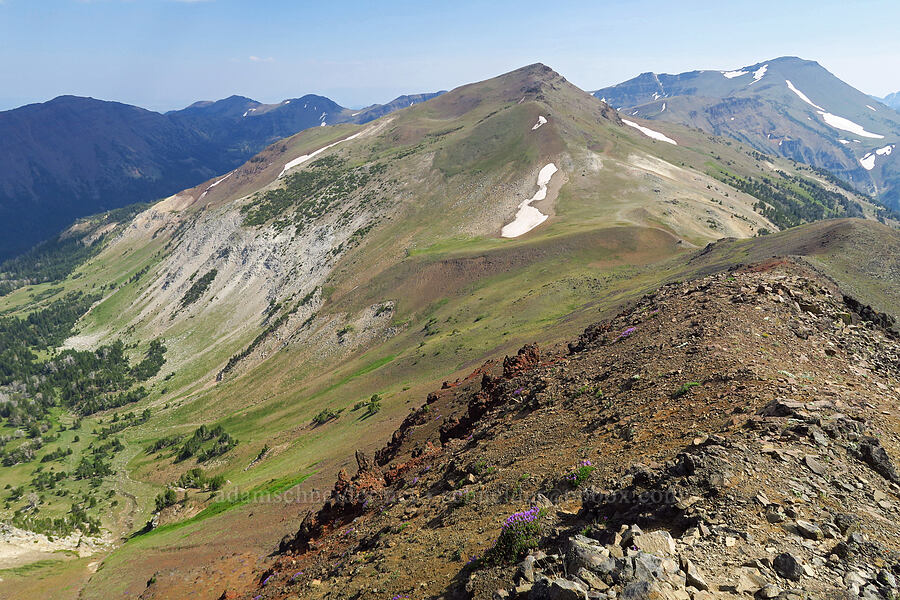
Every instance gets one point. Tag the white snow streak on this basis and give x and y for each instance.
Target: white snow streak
(834, 120)
(528, 217)
(541, 120)
(650, 133)
(733, 74)
(212, 185)
(302, 159)
(663, 109)
(872, 108)
(801, 95)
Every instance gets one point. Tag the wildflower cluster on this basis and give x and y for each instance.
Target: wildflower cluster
(580, 473)
(463, 497)
(520, 532)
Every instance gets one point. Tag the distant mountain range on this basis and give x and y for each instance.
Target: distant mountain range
(75, 156)
(787, 107)
(892, 100)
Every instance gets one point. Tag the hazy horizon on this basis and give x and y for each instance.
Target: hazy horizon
(166, 54)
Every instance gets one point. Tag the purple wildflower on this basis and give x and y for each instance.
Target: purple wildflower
(526, 516)
(627, 333)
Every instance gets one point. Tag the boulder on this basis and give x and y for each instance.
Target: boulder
(808, 530)
(692, 575)
(788, 566)
(658, 542)
(872, 453)
(581, 553)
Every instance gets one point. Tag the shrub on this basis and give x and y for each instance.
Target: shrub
(167, 498)
(463, 497)
(684, 389)
(324, 416)
(198, 288)
(520, 533)
(374, 405)
(581, 473)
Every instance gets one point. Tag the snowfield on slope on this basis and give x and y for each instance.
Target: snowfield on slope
(759, 74)
(541, 120)
(868, 161)
(650, 133)
(834, 120)
(528, 216)
(302, 159)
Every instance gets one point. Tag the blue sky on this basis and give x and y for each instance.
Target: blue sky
(165, 54)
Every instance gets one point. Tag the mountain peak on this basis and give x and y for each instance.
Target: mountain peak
(536, 72)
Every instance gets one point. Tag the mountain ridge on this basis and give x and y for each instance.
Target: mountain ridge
(768, 105)
(74, 156)
(892, 100)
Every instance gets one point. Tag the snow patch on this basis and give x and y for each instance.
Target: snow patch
(834, 120)
(663, 109)
(759, 73)
(650, 133)
(528, 217)
(541, 120)
(872, 108)
(848, 125)
(845, 142)
(868, 161)
(733, 74)
(302, 159)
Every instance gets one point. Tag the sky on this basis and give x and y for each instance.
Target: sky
(166, 54)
